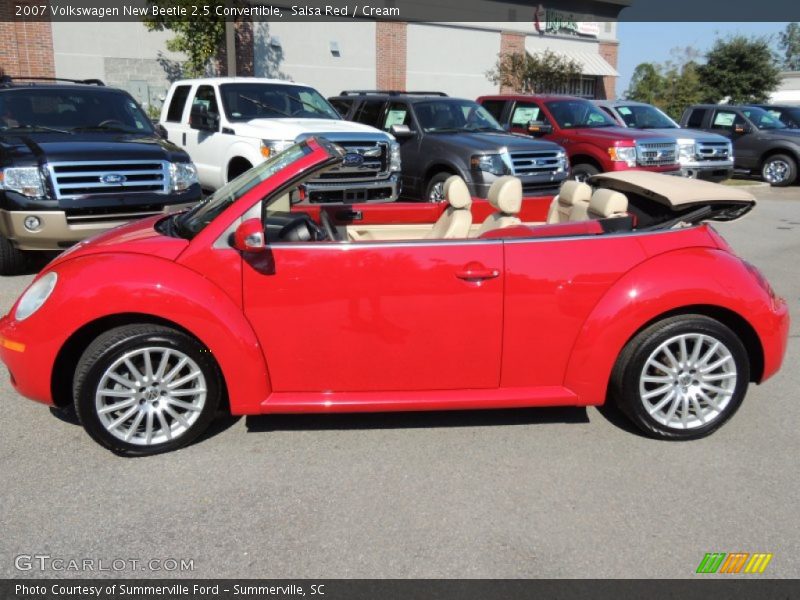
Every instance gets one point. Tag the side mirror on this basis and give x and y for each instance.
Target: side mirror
(161, 131)
(249, 237)
(537, 128)
(401, 131)
(742, 129)
(200, 118)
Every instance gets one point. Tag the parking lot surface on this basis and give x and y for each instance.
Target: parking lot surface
(526, 493)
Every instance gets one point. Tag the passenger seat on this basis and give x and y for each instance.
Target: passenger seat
(456, 219)
(505, 195)
(572, 194)
(607, 204)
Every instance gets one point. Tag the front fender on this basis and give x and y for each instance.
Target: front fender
(664, 283)
(93, 287)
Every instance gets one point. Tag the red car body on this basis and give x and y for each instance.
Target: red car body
(583, 144)
(389, 326)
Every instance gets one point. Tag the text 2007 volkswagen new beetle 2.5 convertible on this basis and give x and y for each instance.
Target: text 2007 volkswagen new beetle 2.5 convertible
(256, 302)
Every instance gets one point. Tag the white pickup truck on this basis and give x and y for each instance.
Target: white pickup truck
(229, 124)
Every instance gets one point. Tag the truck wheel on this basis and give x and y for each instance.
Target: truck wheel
(237, 167)
(12, 259)
(779, 170)
(146, 389)
(681, 378)
(583, 171)
(434, 191)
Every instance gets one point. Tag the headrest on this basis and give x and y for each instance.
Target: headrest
(607, 203)
(506, 195)
(456, 192)
(574, 192)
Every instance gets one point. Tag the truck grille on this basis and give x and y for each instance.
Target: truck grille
(374, 163)
(713, 151)
(91, 178)
(654, 154)
(535, 163)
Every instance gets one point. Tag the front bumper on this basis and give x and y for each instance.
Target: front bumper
(350, 192)
(708, 171)
(531, 186)
(29, 355)
(57, 232)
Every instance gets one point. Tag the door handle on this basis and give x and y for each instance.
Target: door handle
(183, 139)
(476, 272)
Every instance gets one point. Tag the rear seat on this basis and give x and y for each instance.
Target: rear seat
(571, 194)
(607, 204)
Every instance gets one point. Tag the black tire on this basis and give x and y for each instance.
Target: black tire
(582, 171)
(779, 170)
(630, 366)
(437, 180)
(109, 348)
(12, 260)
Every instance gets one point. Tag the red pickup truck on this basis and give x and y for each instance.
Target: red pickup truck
(593, 141)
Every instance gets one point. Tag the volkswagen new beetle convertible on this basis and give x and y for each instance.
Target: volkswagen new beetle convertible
(256, 301)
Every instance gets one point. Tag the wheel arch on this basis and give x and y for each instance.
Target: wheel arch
(782, 149)
(582, 158)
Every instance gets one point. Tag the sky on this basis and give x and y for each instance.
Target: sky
(652, 42)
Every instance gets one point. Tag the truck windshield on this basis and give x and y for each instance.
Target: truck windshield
(448, 115)
(189, 224)
(639, 116)
(574, 114)
(245, 101)
(71, 109)
(762, 119)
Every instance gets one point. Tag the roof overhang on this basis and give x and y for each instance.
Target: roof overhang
(590, 63)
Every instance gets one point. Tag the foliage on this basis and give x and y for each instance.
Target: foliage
(647, 84)
(739, 70)
(789, 43)
(199, 37)
(671, 86)
(541, 72)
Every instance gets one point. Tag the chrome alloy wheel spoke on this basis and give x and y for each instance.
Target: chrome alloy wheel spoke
(150, 395)
(688, 381)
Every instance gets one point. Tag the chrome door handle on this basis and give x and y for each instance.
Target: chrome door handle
(476, 273)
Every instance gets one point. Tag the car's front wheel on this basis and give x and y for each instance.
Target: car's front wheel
(434, 191)
(681, 378)
(582, 171)
(779, 170)
(12, 260)
(145, 389)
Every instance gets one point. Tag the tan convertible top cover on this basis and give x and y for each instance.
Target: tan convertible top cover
(673, 191)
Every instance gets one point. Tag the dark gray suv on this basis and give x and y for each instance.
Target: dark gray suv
(440, 136)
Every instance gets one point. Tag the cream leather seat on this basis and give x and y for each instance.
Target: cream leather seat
(606, 204)
(456, 219)
(571, 194)
(506, 196)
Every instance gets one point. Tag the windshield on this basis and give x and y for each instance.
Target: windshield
(71, 109)
(454, 115)
(245, 101)
(637, 116)
(191, 223)
(762, 119)
(573, 113)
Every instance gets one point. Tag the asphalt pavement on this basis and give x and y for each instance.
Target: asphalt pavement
(526, 493)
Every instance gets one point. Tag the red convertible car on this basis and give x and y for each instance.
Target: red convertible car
(253, 303)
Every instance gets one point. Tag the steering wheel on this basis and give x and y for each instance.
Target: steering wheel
(110, 122)
(330, 230)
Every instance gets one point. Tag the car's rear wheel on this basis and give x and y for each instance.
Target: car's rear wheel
(12, 259)
(779, 170)
(682, 377)
(145, 389)
(582, 172)
(434, 191)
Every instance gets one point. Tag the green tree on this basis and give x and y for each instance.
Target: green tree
(789, 43)
(739, 70)
(542, 72)
(682, 88)
(200, 37)
(647, 84)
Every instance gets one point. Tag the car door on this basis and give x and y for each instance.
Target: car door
(400, 113)
(726, 122)
(175, 119)
(207, 147)
(373, 316)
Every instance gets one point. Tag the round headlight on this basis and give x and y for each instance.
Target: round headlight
(35, 296)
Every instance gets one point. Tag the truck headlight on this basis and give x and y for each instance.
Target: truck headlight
(496, 164)
(272, 147)
(687, 150)
(626, 154)
(182, 176)
(394, 157)
(563, 162)
(28, 181)
(35, 296)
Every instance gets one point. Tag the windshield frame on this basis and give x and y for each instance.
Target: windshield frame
(461, 102)
(137, 113)
(607, 122)
(282, 89)
(633, 107)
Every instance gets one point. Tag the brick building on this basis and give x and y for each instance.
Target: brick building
(331, 56)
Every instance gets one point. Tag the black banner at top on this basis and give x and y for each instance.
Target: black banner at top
(495, 11)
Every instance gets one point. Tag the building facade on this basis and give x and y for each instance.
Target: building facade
(452, 57)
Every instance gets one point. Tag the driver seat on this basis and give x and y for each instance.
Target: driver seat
(457, 217)
(505, 195)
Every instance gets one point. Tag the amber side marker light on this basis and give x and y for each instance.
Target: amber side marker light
(12, 345)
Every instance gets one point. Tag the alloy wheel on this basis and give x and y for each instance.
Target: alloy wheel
(776, 171)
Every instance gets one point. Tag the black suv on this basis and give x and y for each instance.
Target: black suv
(761, 142)
(440, 136)
(76, 159)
